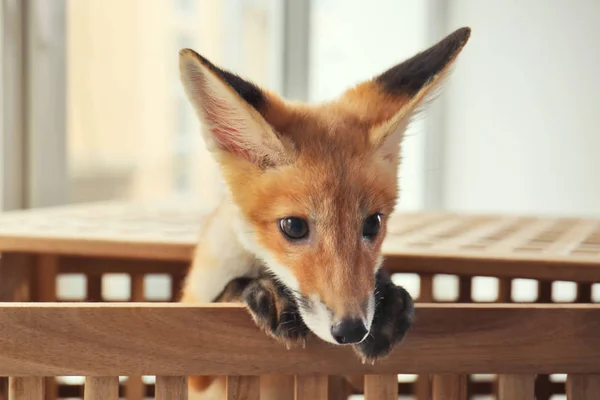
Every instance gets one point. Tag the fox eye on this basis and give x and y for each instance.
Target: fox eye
(371, 226)
(294, 228)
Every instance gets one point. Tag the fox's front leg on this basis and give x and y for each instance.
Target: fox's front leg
(220, 271)
(274, 310)
(394, 312)
(219, 257)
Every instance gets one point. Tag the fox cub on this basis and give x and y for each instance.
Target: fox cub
(310, 190)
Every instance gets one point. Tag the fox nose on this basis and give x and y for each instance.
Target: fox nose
(349, 331)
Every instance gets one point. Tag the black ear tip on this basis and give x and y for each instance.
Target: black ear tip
(461, 35)
(247, 90)
(413, 74)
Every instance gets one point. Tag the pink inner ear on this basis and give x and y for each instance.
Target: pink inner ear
(228, 128)
(224, 140)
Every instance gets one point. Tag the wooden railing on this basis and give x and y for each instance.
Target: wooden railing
(172, 341)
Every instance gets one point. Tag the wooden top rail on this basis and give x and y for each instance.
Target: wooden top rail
(49, 339)
(436, 242)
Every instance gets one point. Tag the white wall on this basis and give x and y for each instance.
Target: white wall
(523, 119)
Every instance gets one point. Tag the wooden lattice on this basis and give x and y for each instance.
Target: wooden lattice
(170, 231)
(144, 241)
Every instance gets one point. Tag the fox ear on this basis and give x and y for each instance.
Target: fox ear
(229, 110)
(390, 100)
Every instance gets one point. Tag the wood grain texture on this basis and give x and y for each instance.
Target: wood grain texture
(381, 387)
(101, 388)
(15, 274)
(447, 338)
(311, 387)
(277, 387)
(134, 387)
(434, 242)
(516, 387)
(449, 387)
(108, 265)
(243, 388)
(339, 388)
(422, 387)
(171, 388)
(44, 278)
(43, 289)
(583, 387)
(26, 388)
(15, 270)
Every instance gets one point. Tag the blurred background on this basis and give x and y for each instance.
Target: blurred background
(92, 108)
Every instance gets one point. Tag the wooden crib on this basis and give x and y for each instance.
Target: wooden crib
(40, 247)
(171, 341)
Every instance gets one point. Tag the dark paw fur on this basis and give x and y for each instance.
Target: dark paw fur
(274, 310)
(394, 312)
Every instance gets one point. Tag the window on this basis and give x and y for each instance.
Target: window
(131, 132)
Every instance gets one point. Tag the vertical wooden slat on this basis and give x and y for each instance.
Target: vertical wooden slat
(311, 387)
(101, 388)
(425, 288)
(137, 287)
(176, 284)
(423, 387)
(544, 389)
(544, 292)
(381, 387)
(171, 388)
(15, 271)
(28, 388)
(543, 383)
(45, 278)
(277, 387)
(134, 386)
(44, 290)
(94, 288)
(516, 387)
(243, 388)
(340, 387)
(422, 384)
(583, 387)
(504, 290)
(584, 293)
(15, 274)
(449, 387)
(464, 289)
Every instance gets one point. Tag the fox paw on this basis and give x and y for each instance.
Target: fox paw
(394, 312)
(274, 310)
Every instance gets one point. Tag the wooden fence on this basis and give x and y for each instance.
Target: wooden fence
(171, 341)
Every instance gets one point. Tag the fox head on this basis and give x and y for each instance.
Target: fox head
(315, 184)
